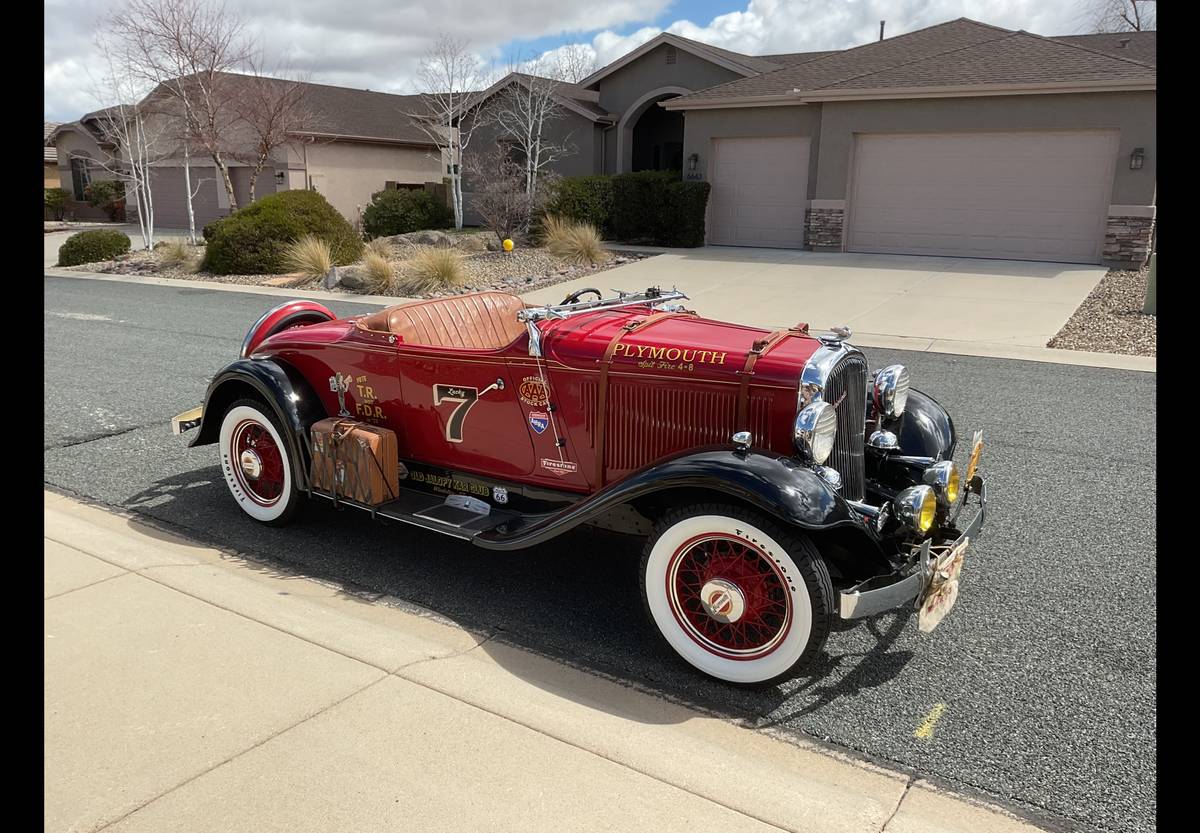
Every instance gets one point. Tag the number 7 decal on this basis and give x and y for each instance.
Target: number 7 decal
(465, 397)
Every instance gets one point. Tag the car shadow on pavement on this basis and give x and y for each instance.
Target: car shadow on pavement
(574, 600)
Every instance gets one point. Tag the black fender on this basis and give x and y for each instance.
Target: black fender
(282, 387)
(779, 486)
(925, 428)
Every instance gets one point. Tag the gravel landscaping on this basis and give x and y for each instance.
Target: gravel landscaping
(1110, 320)
(525, 268)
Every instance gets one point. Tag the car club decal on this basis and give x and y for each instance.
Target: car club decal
(539, 421)
(532, 392)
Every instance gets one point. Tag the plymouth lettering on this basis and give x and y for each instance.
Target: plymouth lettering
(670, 354)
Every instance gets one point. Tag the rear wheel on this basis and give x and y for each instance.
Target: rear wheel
(256, 463)
(736, 595)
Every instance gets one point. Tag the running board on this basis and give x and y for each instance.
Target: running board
(455, 518)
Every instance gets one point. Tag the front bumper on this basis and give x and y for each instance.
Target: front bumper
(187, 420)
(880, 593)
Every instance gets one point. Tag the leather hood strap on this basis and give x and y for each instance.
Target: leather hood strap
(760, 348)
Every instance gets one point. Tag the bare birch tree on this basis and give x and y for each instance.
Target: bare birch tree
(1121, 15)
(187, 48)
(271, 109)
(138, 141)
(573, 62)
(451, 81)
(525, 112)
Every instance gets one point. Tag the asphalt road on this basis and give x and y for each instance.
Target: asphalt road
(1045, 669)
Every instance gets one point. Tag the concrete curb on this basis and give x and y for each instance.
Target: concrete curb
(749, 776)
(1147, 364)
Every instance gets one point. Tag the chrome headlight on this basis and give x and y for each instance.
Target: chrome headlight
(816, 428)
(891, 390)
(916, 506)
(945, 480)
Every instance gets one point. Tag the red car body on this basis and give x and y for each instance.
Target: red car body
(516, 423)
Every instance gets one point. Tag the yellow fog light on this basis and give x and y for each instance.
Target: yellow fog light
(916, 506)
(976, 453)
(945, 480)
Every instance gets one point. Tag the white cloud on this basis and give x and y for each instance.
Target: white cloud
(377, 44)
(773, 26)
(374, 44)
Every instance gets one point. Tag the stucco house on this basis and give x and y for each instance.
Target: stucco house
(79, 148)
(960, 139)
(49, 157)
(353, 143)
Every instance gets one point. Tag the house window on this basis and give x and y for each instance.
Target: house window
(670, 54)
(80, 177)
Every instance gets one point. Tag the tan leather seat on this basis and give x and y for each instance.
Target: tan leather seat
(479, 321)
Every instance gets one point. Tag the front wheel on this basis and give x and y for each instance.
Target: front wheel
(256, 463)
(736, 595)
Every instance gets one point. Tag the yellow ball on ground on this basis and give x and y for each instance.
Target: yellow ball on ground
(508, 245)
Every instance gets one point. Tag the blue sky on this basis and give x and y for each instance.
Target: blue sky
(378, 44)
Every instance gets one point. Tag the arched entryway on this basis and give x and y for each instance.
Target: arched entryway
(650, 138)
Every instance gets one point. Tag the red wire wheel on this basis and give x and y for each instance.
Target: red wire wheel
(257, 462)
(729, 596)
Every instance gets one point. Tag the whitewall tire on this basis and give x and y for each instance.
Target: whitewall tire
(735, 595)
(256, 463)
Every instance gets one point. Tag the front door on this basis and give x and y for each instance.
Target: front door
(463, 413)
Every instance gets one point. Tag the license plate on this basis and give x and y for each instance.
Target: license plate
(942, 592)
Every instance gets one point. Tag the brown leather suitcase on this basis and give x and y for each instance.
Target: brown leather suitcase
(355, 460)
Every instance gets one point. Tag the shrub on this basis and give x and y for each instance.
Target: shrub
(654, 207)
(310, 255)
(499, 196)
(398, 211)
(432, 269)
(56, 201)
(378, 272)
(684, 209)
(378, 246)
(177, 253)
(254, 240)
(210, 229)
(107, 194)
(577, 243)
(584, 199)
(92, 246)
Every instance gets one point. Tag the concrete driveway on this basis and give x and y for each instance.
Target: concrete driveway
(892, 300)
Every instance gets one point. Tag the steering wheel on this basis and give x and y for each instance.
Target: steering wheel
(574, 296)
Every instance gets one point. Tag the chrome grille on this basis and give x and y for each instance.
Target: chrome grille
(849, 380)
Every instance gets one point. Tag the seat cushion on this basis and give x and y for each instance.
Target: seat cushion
(479, 321)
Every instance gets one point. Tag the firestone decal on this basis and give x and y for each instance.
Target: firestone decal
(532, 391)
(561, 468)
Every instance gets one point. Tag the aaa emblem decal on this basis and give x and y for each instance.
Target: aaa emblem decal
(539, 421)
(532, 391)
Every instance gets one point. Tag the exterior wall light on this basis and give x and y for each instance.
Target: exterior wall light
(1136, 159)
(692, 162)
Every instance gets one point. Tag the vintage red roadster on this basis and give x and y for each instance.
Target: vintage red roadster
(777, 482)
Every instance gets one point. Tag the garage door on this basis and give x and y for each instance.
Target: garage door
(758, 194)
(1019, 195)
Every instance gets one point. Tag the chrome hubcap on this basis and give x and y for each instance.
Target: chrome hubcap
(251, 464)
(723, 600)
